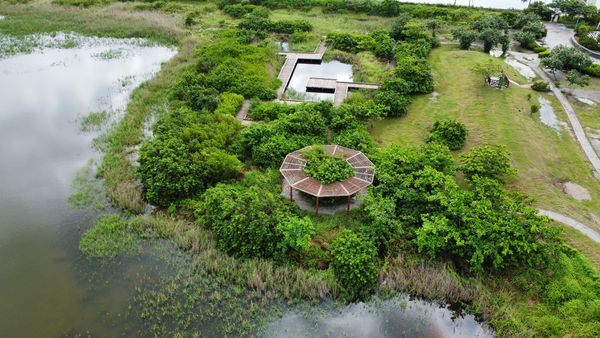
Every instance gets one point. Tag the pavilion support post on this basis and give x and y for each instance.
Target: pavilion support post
(349, 200)
(317, 208)
(291, 194)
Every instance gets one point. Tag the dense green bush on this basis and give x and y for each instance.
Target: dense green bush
(354, 264)
(324, 167)
(244, 219)
(486, 161)
(593, 70)
(357, 137)
(187, 155)
(465, 37)
(417, 74)
(540, 86)
(108, 238)
(448, 132)
(490, 228)
(229, 104)
(352, 43)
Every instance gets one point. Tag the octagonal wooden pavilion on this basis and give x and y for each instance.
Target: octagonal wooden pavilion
(293, 165)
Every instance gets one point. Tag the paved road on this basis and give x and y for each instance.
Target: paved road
(593, 235)
(559, 34)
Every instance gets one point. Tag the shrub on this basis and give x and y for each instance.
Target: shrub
(593, 70)
(417, 74)
(296, 233)
(108, 238)
(451, 133)
(326, 168)
(244, 219)
(230, 104)
(397, 103)
(354, 264)
(355, 138)
(540, 86)
(486, 161)
(544, 54)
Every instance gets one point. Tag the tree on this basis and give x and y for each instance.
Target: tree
(505, 43)
(417, 74)
(171, 171)
(490, 229)
(384, 45)
(250, 222)
(354, 264)
(433, 25)
(569, 7)
(465, 37)
(448, 132)
(541, 9)
(486, 161)
(396, 102)
(399, 26)
(296, 233)
(491, 37)
(564, 59)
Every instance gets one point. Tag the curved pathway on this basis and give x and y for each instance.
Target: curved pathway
(584, 229)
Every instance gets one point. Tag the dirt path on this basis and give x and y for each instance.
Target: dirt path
(584, 229)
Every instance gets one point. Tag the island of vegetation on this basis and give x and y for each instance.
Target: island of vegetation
(461, 168)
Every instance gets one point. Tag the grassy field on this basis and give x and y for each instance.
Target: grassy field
(544, 157)
(326, 23)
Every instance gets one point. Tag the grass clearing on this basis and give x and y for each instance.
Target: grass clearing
(325, 23)
(544, 157)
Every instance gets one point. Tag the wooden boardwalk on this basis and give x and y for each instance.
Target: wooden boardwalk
(291, 60)
(339, 88)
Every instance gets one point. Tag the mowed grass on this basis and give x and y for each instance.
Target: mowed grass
(544, 157)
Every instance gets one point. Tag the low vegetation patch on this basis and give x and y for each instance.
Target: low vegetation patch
(108, 238)
(326, 168)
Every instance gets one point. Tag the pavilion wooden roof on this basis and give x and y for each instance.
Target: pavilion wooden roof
(293, 165)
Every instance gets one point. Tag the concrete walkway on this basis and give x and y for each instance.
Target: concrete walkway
(584, 229)
(580, 135)
(242, 115)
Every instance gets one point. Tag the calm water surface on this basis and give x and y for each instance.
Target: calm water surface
(44, 289)
(329, 70)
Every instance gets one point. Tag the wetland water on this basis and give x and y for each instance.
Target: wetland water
(47, 288)
(43, 95)
(329, 70)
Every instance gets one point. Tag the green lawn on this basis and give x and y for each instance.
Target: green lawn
(543, 157)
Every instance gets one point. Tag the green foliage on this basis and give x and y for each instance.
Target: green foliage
(489, 228)
(355, 138)
(448, 132)
(324, 167)
(269, 111)
(108, 238)
(417, 74)
(593, 70)
(354, 264)
(400, 26)
(296, 233)
(244, 219)
(397, 103)
(187, 155)
(540, 86)
(564, 59)
(576, 78)
(465, 37)
(229, 104)
(352, 43)
(486, 161)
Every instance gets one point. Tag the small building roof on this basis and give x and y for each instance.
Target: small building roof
(293, 165)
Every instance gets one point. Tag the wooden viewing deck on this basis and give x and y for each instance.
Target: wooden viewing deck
(291, 60)
(339, 88)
